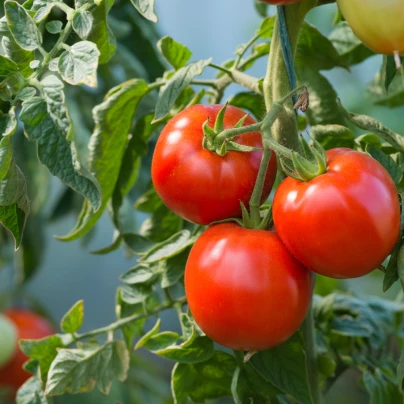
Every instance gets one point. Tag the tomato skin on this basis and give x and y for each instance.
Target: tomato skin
(29, 326)
(244, 289)
(200, 185)
(281, 2)
(378, 24)
(344, 223)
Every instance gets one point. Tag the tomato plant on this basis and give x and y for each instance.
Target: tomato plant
(329, 223)
(380, 25)
(234, 281)
(28, 326)
(143, 133)
(214, 185)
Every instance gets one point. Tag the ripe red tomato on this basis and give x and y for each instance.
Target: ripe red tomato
(344, 223)
(244, 289)
(378, 24)
(200, 185)
(29, 326)
(281, 2)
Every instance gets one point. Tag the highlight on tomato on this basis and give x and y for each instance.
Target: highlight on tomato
(378, 24)
(198, 184)
(28, 325)
(244, 288)
(341, 224)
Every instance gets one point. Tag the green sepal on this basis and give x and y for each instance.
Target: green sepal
(304, 168)
(246, 216)
(234, 146)
(240, 123)
(219, 124)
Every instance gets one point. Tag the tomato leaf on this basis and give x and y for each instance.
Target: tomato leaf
(316, 51)
(79, 64)
(387, 162)
(139, 274)
(73, 319)
(202, 381)
(388, 70)
(251, 102)
(80, 370)
(175, 85)
(47, 122)
(173, 269)
(83, 23)
(31, 392)
(380, 390)
(348, 45)
(284, 366)
(146, 8)
(101, 33)
(43, 350)
(170, 247)
(22, 26)
(175, 53)
(113, 120)
(376, 91)
(332, 136)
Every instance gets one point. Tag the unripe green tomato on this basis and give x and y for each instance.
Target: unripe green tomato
(8, 340)
(379, 24)
(281, 2)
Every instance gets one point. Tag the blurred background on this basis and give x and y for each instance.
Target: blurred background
(67, 272)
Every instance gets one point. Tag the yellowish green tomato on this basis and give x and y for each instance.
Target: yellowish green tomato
(8, 340)
(379, 24)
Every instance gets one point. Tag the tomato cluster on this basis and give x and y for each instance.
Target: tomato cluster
(28, 325)
(250, 289)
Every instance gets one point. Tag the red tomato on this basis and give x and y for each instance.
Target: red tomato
(379, 24)
(29, 326)
(281, 2)
(344, 223)
(200, 185)
(244, 289)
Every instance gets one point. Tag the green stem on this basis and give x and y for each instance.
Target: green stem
(310, 346)
(276, 82)
(255, 200)
(127, 320)
(244, 50)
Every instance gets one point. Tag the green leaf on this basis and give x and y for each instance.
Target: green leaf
(372, 125)
(391, 275)
(400, 371)
(43, 350)
(388, 70)
(146, 8)
(175, 53)
(284, 366)
(332, 136)
(137, 243)
(20, 56)
(135, 294)
(80, 370)
(7, 66)
(79, 64)
(101, 33)
(26, 93)
(113, 120)
(8, 124)
(251, 102)
(380, 390)
(43, 12)
(315, 51)
(83, 23)
(22, 26)
(173, 269)
(202, 381)
(46, 121)
(14, 202)
(387, 162)
(138, 274)
(175, 85)
(266, 28)
(376, 91)
(348, 45)
(73, 319)
(400, 265)
(54, 27)
(323, 108)
(31, 392)
(170, 247)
